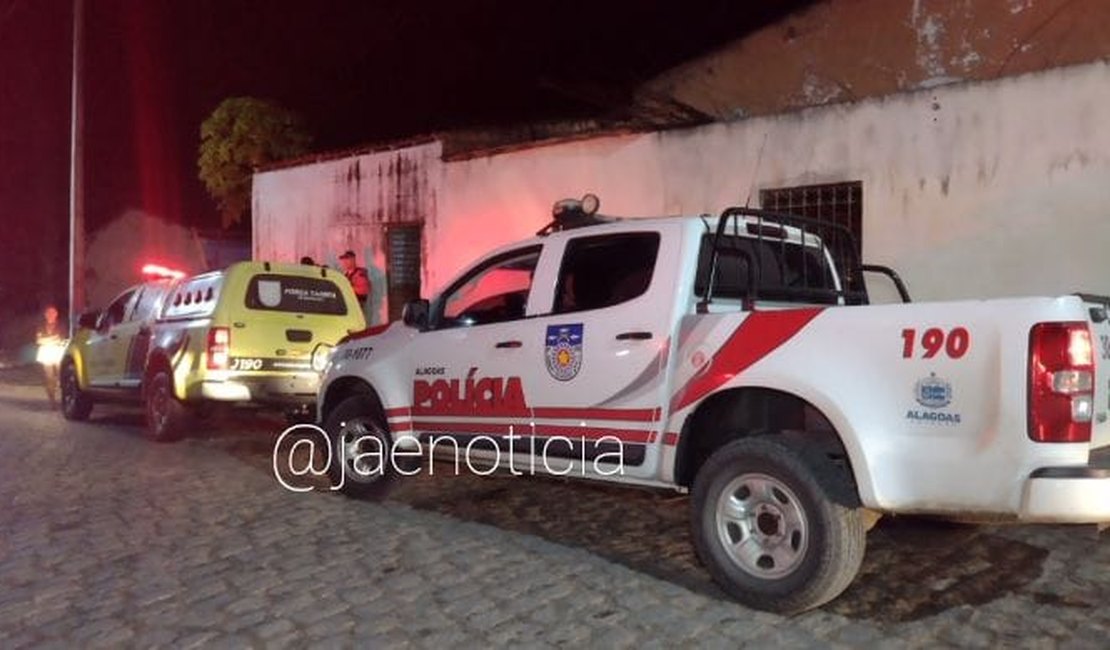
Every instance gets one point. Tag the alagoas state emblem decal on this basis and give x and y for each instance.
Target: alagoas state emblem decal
(563, 351)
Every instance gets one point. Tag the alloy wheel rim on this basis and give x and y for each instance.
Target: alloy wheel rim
(762, 526)
(158, 408)
(69, 390)
(355, 443)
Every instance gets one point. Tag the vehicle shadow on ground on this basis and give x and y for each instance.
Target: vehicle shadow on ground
(914, 567)
(252, 431)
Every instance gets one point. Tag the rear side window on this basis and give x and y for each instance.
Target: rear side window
(604, 271)
(295, 294)
(192, 298)
(782, 270)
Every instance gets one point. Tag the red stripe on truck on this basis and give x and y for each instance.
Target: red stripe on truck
(759, 335)
(503, 429)
(629, 415)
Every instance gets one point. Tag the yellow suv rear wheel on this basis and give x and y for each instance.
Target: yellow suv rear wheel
(165, 415)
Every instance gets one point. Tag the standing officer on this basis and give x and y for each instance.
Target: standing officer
(357, 276)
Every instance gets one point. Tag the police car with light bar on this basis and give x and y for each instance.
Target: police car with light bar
(738, 358)
(254, 334)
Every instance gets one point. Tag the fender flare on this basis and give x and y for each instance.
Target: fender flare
(824, 406)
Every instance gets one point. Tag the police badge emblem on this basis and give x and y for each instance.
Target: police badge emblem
(269, 293)
(563, 351)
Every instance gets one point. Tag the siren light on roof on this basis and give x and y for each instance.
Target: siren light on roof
(159, 272)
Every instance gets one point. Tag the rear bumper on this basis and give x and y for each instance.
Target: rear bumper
(1078, 495)
(284, 390)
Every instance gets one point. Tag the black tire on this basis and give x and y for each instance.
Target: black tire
(165, 414)
(76, 404)
(357, 424)
(788, 547)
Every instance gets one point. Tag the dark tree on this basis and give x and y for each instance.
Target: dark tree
(241, 134)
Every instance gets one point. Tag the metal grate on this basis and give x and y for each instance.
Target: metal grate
(403, 262)
(839, 203)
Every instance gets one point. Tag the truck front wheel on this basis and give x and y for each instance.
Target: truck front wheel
(76, 404)
(361, 449)
(768, 533)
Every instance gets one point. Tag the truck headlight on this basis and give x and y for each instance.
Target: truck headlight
(321, 357)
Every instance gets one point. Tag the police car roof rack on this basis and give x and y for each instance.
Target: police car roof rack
(769, 230)
(568, 214)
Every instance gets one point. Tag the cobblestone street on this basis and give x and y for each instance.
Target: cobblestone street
(107, 540)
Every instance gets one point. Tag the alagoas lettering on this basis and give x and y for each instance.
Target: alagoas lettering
(933, 416)
(491, 396)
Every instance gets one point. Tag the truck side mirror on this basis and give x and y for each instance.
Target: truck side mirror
(88, 319)
(415, 314)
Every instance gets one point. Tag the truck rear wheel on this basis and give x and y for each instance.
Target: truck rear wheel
(768, 533)
(165, 415)
(361, 463)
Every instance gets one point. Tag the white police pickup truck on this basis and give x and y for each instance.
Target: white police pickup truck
(736, 357)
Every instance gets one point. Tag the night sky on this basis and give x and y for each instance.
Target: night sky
(357, 71)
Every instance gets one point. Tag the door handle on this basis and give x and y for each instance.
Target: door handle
(633, 336)
(509, 344)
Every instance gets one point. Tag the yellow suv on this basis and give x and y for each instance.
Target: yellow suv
(254, 333)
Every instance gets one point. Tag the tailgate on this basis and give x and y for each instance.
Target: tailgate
(272, 343)
(284, 317)
(1098, 315)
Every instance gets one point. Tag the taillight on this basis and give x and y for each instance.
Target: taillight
(1061, 382)
(219, 347)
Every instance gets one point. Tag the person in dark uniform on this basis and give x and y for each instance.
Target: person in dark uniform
(356, 275)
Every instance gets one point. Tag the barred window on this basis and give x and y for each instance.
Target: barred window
(403, 263)
(839, 203)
